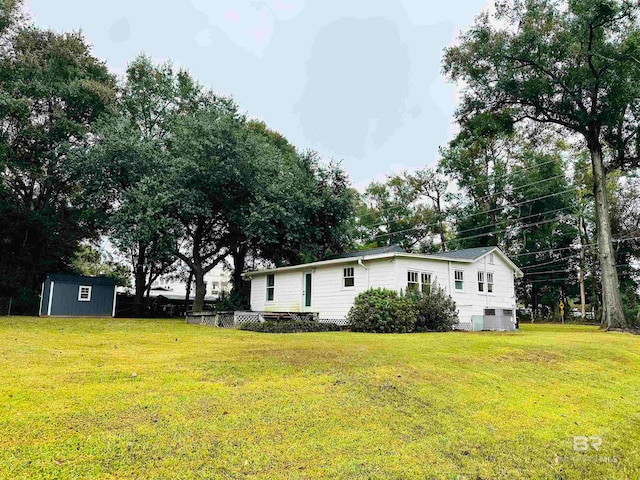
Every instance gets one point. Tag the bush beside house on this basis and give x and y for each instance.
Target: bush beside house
(382, 311)
(435, 312)
(386, 311)
(290, 326)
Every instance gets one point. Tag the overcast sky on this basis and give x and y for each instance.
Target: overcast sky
(356, 80)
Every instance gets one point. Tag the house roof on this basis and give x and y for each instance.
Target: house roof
(465, 254)
(372, 251)
(468, 255)
(81, 279)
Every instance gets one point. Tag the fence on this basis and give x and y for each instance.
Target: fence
(341, 322)
(234, 319)
(464, 326)
(5, 306)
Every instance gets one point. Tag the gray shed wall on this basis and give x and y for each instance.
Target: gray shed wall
(65, 300)
(44, 303)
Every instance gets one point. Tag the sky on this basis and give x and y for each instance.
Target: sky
(357, 80)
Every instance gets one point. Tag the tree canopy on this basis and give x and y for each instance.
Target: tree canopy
(51, 91)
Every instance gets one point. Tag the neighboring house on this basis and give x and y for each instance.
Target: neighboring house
(78, 296)
(480, 280)
(171, 286)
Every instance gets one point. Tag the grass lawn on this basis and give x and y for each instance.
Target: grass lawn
(210, 403)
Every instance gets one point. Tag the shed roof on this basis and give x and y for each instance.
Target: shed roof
(81, 279)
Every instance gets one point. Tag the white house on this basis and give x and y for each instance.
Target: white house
(480, 280)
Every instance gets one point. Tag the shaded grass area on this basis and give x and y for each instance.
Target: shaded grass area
(211, 403)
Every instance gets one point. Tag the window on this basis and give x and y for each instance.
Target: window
(489, 282)
(349, 278)
(84, 293)
(459, 278)
(507, 313)
(412, 281)
(490, 312)
(426, 283)
(491, 258)
(271, 287)
(481, 281)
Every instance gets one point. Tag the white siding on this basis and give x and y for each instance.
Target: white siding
(330, 299)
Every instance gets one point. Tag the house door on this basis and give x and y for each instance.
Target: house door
(307, 290)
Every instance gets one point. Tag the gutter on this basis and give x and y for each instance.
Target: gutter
(362, 265)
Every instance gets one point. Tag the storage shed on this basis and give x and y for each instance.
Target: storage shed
(78, 296)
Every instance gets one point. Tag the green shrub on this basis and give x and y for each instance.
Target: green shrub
(435, 312)
(382, 311)
(290, 326)
(229, 302)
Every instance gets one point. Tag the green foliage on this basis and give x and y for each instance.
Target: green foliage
(52, 90)
(290, 326)
(239, 189)
(435, 311)
(392, 213)
(89, 261)
(234, 301)
(479, 159)
(9, 14)
(382, 311)
(631, 303)
(126, 169)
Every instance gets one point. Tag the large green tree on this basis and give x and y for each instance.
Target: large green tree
(51, 92)
(478, 159)
(394, 213)
(241, 190)
(571, 64)
(208, 181)
(126, 168)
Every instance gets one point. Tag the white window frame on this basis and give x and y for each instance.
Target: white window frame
(429, 282)
(490, 282)
(413, 278)
(491, 259)
(271, 288)
(87, 297)
(460, 279)
(481, 278)
(349, 273)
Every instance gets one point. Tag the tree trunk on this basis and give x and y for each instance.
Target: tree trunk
(612, 311)
(141, 279)
(188, 294)
(239, 257)
(201, 289)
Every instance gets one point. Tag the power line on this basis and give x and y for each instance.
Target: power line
(387, 234)
(518, 204)
(500, 177)
(529, 167)
(535, 224)
(478, 200)
(514, 220)
(557, 260)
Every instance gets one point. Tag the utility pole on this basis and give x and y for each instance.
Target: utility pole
(582, 299)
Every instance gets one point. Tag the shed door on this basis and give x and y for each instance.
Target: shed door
(307, 289)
